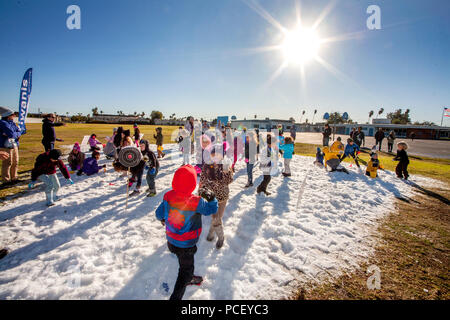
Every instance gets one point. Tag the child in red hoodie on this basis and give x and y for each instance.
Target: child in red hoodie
(45, 170)
(181, 212)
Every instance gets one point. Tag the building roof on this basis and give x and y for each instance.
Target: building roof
(376, 125)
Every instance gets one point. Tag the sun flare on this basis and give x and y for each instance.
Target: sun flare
(300, 45)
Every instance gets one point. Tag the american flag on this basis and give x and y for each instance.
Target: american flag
(447, 112)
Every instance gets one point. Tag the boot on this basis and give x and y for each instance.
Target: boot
(49, 197)
(211, 234)
(196, 280)
(220, 236)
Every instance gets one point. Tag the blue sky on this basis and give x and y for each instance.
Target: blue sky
(188, 57)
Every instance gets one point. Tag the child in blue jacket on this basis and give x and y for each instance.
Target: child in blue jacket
(288, 150)
(351, 149)
(319, 158)
(181, 212)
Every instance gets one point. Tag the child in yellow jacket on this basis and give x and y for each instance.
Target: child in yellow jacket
(373, 165)
(332, 160)
(338, 147)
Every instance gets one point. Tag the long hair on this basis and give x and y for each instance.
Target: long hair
(137, 133)
(118, 137)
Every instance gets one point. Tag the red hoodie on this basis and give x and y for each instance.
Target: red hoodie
(182, 210)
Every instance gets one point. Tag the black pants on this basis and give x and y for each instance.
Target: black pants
(263, 185)
(390, 146)
(380, 142)
(354, 158)
(185, 272)
(402, 170)
(48, 145)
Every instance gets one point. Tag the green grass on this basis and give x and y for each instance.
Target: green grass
(31, 146)
(429, 167)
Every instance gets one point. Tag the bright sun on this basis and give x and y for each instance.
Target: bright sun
(300, 45)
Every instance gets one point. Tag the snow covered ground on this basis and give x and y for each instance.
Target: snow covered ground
(89, 247)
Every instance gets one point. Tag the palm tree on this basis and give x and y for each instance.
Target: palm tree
(302, 116)
(380, 112)
(370, 114)
(315, 111)
(255, 116)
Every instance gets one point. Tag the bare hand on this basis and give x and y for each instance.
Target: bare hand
(4, 155)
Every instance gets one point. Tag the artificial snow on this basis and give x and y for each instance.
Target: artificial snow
(87, 246)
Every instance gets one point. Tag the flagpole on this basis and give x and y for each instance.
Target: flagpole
(442, 118)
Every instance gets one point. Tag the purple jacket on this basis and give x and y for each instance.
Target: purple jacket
(90, 166)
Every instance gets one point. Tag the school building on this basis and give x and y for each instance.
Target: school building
(401, 130)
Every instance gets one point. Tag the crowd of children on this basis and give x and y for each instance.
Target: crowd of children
(218, 151)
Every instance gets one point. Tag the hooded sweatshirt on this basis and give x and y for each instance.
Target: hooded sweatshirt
(90, 166)
(181, 210)
(44, 165)
(48, 130)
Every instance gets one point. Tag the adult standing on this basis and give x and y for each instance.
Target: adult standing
(379, 136)
(293, 132)
(359, 137)
(413, 135)
(3, 156)
(189, 126)
(48, 131)
(326, 135)
(9, 143)
(352, 133)
(390, 139)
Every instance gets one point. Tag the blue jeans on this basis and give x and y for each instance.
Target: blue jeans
(250, 172)
(52, 186)
(151, 179)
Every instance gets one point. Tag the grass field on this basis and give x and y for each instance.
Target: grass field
(429, 167)
(412, 252)
(413, 242)
(31, 146)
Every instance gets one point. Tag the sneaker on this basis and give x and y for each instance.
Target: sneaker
(134, 193)
(151, 194)
(196, 280)
(267, 193)
(249, 184)
(3, 253)
(50, 204)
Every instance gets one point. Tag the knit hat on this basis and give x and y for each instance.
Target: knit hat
(55, 154)
(6, 112)
(76, 146)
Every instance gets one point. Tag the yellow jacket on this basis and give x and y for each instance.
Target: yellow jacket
(328, 155)
(337, 147)
(372, 170)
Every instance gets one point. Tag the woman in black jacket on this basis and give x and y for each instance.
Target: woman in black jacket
(48, 131)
